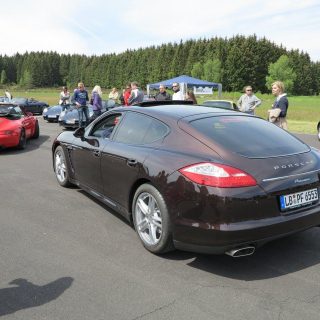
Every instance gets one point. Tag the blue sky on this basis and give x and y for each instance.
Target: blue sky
(103, 26)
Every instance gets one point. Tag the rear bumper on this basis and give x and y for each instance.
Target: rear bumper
(220, 238)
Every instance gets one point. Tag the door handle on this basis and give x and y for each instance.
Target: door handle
(132, 162)
(96, 153)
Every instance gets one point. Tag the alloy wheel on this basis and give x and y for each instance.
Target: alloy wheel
(60, 166)
(148, 219)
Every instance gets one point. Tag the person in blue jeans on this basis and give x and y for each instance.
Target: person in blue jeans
(80, 98)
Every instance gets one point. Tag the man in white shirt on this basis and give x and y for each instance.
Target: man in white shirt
(8, 95)
(177, 95)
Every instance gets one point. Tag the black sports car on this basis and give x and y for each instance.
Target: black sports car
(194, 178)
(30, 105)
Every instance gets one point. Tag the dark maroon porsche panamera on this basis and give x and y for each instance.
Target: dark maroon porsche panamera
(194, 178)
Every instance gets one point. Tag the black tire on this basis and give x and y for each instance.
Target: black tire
(61, 167)
(153, 228)
(36, 131)
(319, 131)
(22, 140)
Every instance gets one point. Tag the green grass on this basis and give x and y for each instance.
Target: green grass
(303, 113)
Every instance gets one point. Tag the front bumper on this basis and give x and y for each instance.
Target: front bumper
(69, 125)
(8, 141)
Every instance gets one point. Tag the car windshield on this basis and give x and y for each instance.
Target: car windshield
(249, 136)
(10, 111)
(218, 104)
(5, 109)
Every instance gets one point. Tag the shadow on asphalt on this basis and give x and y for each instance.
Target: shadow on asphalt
(32, 144)
(25, 294)
(274, 259)
(105, 207)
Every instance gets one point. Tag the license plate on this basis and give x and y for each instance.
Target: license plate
(72, 121)
(52, 117)
(298, 199)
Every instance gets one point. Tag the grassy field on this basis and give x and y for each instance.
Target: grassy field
(303, 114)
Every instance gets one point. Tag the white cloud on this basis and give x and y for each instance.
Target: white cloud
(99, 26)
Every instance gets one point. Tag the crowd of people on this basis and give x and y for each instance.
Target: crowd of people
(132, 94)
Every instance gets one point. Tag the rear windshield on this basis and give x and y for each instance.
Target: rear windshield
(249, 136)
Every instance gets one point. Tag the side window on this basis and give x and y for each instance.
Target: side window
(104, 128)
(140, 129)
(156, 131)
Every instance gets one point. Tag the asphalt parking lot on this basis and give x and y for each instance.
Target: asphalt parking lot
(65, 256)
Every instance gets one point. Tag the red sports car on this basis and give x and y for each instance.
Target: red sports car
(16, 126)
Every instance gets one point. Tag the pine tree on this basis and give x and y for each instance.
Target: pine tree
(239, 60)
(301, 64)
(4, 78)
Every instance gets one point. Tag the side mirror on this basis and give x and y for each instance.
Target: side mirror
(79, 133)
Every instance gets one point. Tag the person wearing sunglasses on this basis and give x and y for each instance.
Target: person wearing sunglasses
(177, 94)
(248, 101)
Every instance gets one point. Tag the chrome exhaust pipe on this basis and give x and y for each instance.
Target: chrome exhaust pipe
(241, 252)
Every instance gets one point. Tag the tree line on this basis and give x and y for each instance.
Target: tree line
(234, 62)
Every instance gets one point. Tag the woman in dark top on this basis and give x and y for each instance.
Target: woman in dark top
(281, 103)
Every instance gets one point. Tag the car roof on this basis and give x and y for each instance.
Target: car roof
(177, 110)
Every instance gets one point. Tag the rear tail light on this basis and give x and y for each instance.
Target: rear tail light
(218, 175)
